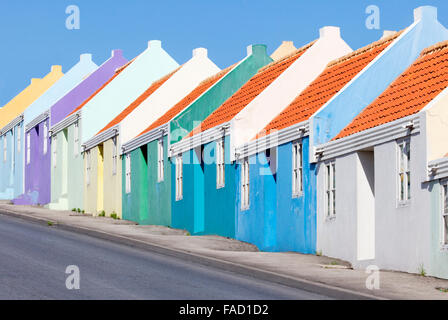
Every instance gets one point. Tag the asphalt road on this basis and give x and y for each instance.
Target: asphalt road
(34, 258)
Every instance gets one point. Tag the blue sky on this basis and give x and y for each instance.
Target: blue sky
(33, 35)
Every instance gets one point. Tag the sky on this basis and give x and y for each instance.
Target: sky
(33, 34)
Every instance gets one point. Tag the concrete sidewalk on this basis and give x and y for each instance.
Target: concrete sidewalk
(292, 269)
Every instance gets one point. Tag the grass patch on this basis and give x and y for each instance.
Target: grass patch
(102, 214)
(50, 224)
(444, 290)
(421, 270)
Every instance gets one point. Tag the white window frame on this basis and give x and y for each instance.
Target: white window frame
(28, 147)
(179, 178)
(297, 169)
(128, 173)
(5, 147)
(444, 215)
(330, 190)
(76, 139)
(404, 171)
(55, 151)
(245, 184)
(88, 166)
(220, 164)
(114, 155)
(160, 160)
(45, 144)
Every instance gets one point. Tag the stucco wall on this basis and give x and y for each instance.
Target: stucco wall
(437, 127)
(135, 203)
(438, 258)
(112, 182)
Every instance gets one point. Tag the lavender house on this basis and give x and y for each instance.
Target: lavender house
(65, 132)
(65, 95)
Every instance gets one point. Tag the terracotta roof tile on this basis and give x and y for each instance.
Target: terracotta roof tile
(185, 102)
(145, 95)
(408, 94)
(249, 91)
(117, 72)
(337, 74)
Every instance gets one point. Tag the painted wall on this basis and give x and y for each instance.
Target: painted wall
(188, 119)
(438, 258)
(20, 102)
(37, 189)
(436, 124)
(111, 181)
(424, 32)
(149, 66)
(402, 233)
(135, 203)
(219, 204)
(276, 220)
(91, 185)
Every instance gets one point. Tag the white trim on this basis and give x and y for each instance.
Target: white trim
(179, 178)
(199, 139)
(102, 137)
(220, 159)
(297, 169)
(245, 184)
(11, 125)
(403, 168)
(65, 123)
(367, 138)
(160, 160)
(294, 132)
(145, 138)
(40, 118)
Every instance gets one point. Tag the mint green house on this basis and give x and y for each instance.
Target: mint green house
(148, 172)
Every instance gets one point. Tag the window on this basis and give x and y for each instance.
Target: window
(330, 189)
(297, 169)
(160, 160)
(445, 215)
(88, 166)
(220, 164)
(114, 155)
(19, 139)
(55, 151)
(245, 184)
(128, 173)
(179, 178)
(5, 148)
(28, 148)
(76, 139)
(45, 137)
(404, 174)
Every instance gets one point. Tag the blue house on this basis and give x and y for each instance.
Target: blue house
(276, 178)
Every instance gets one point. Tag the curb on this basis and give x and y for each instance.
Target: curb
(265, 275)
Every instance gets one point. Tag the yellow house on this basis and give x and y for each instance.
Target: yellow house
(16, 106)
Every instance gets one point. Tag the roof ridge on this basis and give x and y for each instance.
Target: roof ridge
(216, 75)
(288, 56)
(436, 47)
(365, 49)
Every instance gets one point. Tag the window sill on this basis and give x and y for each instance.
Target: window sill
(246, 208)
(220, 186)
(179, 199)
(444, 248)
(330, 219)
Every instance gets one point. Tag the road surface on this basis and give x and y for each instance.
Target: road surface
(34, 258)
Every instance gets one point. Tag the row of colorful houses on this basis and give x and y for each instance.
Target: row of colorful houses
(316, 150)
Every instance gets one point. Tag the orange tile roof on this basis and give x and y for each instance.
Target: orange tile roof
(190, 98)
(145, 95)
(249, 91)
(408, 94)
(337, 74)
(117, 72)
